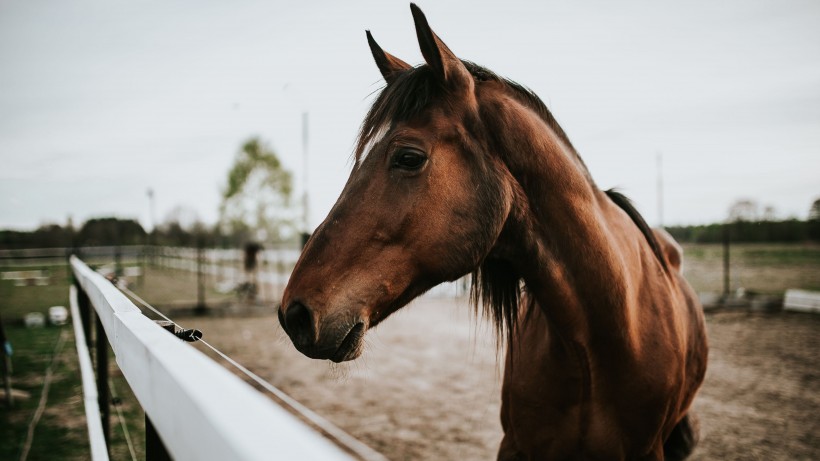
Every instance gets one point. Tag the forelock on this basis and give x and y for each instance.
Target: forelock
(402, 99)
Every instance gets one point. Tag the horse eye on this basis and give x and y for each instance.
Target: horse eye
(409, 159)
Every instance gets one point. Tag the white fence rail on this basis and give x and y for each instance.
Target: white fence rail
(200, 410)
(99, 451)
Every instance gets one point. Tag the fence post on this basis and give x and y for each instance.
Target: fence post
(85, 312)
(154, 448)
(100, 342)
(103, 398)
(6, 364)
(726, 281)
(200, 308)
(118, 261)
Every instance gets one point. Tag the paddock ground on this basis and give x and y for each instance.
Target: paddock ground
(428, 385)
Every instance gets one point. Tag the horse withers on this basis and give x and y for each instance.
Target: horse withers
(459, 171)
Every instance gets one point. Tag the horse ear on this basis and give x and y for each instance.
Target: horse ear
(389, 65)
(443, 62)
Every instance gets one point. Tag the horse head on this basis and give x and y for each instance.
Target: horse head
(424, 204)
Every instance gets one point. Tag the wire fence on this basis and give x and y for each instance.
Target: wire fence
(174, 382)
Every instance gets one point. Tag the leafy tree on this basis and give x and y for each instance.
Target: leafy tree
(256, 201)
(814, 211)
(814, 221)
(743, 210)
(183, 227)
(46, 236)
(111, 231)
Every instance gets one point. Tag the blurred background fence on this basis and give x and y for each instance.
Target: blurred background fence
(220, 280)
(174, 277)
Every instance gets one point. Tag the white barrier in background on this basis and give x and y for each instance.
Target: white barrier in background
(801, 301)
(200, 410)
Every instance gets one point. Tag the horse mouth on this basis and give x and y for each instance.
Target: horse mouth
(351, 346)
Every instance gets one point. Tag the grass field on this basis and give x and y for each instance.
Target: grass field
(62, 434)
(763, 268)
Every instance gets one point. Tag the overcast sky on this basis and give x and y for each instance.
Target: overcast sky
(100, 101)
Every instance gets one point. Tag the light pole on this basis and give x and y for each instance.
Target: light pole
(152, 235)
(305, 197)
(660, 188)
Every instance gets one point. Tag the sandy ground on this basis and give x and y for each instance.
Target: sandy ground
(428, 386)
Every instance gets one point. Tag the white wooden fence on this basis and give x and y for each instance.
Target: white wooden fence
(802, 301)
(99, 451)
(200, 410)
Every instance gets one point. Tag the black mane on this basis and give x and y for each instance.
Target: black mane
(412, 90)
(495, 286)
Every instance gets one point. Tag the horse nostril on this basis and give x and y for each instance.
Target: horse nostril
(298, 323)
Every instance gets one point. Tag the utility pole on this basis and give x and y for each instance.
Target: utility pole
(305, 198)
(660, 188)
(152, 236)
(151, 210)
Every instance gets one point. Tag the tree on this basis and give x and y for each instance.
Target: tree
(814, 211)
(769, 213)
(744, 210)
(814, 221)
(183, 227)
(111, 231)
(256, 202)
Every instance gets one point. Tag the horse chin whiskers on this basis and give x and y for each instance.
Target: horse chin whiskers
(339, 372)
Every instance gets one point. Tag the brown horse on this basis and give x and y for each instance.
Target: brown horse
(460, 171)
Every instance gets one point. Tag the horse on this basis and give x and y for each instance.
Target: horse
(459, 171)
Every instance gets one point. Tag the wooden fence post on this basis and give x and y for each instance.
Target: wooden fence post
(155, 450)
(84, 304)
(6, 364)
(726, 268)
(103, 398)
(200, 308)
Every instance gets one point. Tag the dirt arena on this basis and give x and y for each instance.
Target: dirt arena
(428, 387)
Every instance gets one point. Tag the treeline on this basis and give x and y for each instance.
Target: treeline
(95, 232)
(788, 231)
(115, 231)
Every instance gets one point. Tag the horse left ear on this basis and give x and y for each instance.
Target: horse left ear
(444, 62)
(389, 65)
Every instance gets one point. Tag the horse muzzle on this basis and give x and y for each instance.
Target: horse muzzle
(330, 339)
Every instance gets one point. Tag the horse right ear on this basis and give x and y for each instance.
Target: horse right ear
(389, 65)
(445, 64)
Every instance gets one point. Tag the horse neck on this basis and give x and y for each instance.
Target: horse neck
(568, 241)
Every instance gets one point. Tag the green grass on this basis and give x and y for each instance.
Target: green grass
(163, 287)
(17, 301)
(765, 268)
(62, 431)
(134, 419)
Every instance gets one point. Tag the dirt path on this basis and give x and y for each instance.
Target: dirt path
(429, 385)
(761, 399)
